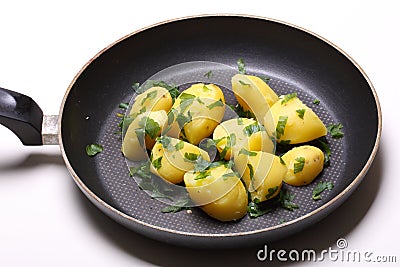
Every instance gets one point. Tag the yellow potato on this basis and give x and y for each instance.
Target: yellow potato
(293, 122)
(253, 94)
(304, 163)
(172, 158)
(141, 134)
(234, 134)
(262, 173)
(153, 99)
(196, 112)
(219, 192)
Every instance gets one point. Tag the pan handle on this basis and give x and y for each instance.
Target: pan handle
(22, 115)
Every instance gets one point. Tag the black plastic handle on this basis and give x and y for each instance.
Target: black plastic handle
(22, 115)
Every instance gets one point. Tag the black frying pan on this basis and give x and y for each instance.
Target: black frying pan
(295, 59)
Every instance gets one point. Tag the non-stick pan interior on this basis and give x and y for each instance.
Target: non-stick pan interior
(293, 59)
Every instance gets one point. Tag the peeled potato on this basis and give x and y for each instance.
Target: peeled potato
(153, 99)
(304, 163)
(253, 94)
(141, 134)
(172, 158)
(196, 112)
(293, 122)
(247, 133)
(219, 192)
(262, 173)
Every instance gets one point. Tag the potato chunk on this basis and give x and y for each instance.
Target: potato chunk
(219, 192)
(262, 173)
(153, 99)
(304, 163)
(172, 158)
(253, 94)
(293, 122)
(196, 112)
(141, 134)
(234, 134)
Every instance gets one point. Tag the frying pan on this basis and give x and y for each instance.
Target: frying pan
(295, 59)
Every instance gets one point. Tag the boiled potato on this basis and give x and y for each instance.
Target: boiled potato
(234, 134)
(253, 94)
(141, 134)
(304, 163)
(153, 99)
(262, 173)
(196, 112)
(293, 122)
(219, 192)
(172, 158)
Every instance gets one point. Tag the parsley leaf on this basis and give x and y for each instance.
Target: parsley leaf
(151, 127)
(177, 206)
(93, 149)
(271, 192)
(335, 130)
(157, 163)
(316, 101)
(288, 97)
(286, 200)
(321, 187)
(248, 153)
(209, 74)
(226, 176)
(172, 88)
(179, 145)
(185, 96)
(230, 142)
(142, 170)
(135, 86)
(264, 78)
(326, 149)
(253, 128)
(300, 113)
(217, 103)
(202, 175)
(241, 66)
(201, 164)
(151, 95)
(123, 105)
(243, 83)
(165, 141)
(255, 210)
(280, 127)
(191, 156)
(182, 119)
(299, 164)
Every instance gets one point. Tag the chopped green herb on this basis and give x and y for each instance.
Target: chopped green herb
(280, 127)
(165, 141)
(177, 206)
(240, 121)
(335, 130)
(191, 156)
(286, 200)
(243, 83)
(264, 78)
(282, 161)
(135, 86)
(185, 96)
(255, 209)
(140, 134)
(244, 114)
(321, 187)
(151, 127)
(300, 113)
(284, 142)
(241, 66)
(226, 176)
(123, 105)
(151, 95)
(327, 151)
(271, 192)
(217, 103)
(205, 88)
(172, 88)
(182, 119)
(142, 170)
(316, 101)
(179, 145)
(248, 153)
(209, 74)
(299, 164)
(157, 163)
(200, 164)
(288, 97)
(202, 175)
(251, 174)
(171, 116)
(230, 142)
(253, 128)
(93, 149)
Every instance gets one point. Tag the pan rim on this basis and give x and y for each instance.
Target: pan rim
(358, 178)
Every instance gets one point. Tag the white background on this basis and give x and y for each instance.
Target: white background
(44, 218)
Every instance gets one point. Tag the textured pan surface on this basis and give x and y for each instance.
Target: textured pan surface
(295, 60)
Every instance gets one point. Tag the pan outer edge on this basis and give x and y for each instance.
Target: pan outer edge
(111, 211)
